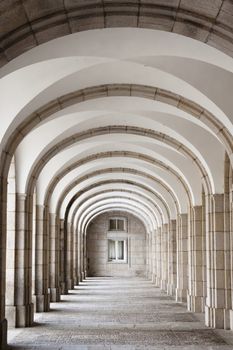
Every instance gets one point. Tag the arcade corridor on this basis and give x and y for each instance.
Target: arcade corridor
(119, 313)
(116, 174)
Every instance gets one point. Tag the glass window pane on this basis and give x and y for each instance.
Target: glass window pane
(120, 250)
(120, 225)
(112, 224)
(111, 250)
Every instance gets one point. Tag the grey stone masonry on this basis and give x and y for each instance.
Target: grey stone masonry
(98, 235)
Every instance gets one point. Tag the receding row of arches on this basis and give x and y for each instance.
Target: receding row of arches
(126, 120)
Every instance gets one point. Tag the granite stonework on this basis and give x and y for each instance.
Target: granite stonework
(122, 314)
(97, 247)
(188, 253)
(28, 24)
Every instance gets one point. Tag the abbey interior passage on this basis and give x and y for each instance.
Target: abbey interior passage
(116, 156)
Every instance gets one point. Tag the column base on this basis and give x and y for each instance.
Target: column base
(3, 334)
(195, 303)
(153, 278)
(217, 318)
(157, 282)
(10, 312)
(76, 280)
(64, 289)
(69, 284)
(41, 302)
(181, 295)
(82, 276)
(163, 285)
(171, 289)
(21, 315)
(231, 319)
(55, 295)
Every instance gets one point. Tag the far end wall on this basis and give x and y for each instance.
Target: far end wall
(98, 256)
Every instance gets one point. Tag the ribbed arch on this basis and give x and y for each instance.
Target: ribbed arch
(96, 200)
(138, 207)
(127, 171)
(40, 115)
(114, 154)
(127, 210)
(133, 192)
(138, 123)
(112, 182)
(36, 169)
(123, 207)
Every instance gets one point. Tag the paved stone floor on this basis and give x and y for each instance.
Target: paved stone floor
(117, 313)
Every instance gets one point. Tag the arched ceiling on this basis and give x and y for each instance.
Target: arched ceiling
(129, 114)
(29, 23)
(117, 211)
(128, 196)
(104, 190)
(117, 203)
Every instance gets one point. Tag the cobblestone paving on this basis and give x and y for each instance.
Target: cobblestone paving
(117, 313)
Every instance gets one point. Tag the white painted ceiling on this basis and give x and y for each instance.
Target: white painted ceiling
(148, 176)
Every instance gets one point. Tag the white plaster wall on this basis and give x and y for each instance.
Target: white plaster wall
(97, 247)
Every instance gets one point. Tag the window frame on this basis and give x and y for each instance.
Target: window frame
(125, 245)
(117, 218)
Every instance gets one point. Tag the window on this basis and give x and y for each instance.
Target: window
(116, 250)
(117, 224)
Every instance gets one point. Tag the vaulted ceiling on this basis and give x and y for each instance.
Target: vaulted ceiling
(28, 23)
(114, 104)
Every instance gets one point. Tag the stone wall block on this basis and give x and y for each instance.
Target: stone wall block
(3, 334)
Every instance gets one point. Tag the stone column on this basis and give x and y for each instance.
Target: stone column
(152, 249)
(216, 309)
(10, 248)
(24, 307)
(85, 255)
(75, 258)
(231, 264)
(158, 257)
(227, 259)
(164, 257)
(42, 297)
(54, 259)
(196, 297)
(69, 257)
(3, 203)
(82, 257)
(147, 256)
(182, 258)
(62, 267)
(172, 277)
(204, 239)
(79, 257)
